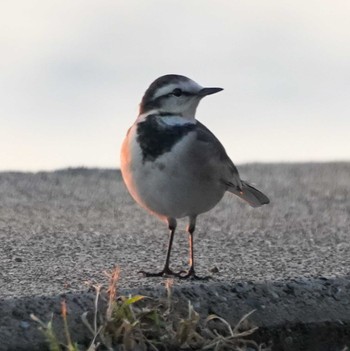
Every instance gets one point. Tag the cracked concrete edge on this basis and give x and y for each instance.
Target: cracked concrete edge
(300, 314)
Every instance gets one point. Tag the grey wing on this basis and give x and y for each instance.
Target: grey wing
(229, 175)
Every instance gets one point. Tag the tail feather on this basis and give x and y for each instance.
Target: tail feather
(254, 197)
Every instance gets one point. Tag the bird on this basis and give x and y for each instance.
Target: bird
(174, 166)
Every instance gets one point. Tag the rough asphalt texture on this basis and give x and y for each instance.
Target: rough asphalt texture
(60, 231)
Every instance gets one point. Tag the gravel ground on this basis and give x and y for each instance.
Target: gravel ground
(61, 230)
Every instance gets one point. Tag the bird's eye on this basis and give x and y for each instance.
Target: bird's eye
(177, 92)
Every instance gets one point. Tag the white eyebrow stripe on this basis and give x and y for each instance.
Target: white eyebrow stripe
(166, 89)
(189, 86)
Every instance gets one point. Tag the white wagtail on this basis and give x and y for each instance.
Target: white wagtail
(173, 165)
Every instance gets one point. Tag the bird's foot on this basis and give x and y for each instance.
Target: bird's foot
(190, 274)
(166, 272)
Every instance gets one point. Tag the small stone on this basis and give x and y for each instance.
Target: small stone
(289, 340)
(243, 287)
(214, 270)
(18, 259)
(24, 325)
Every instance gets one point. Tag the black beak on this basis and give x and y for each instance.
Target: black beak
(208, 91)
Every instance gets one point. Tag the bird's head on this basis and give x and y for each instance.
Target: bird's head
(174, 94)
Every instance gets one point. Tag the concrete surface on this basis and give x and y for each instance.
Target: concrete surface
(302, 314)
(60, 231)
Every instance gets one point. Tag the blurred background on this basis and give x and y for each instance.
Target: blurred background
(72, 74)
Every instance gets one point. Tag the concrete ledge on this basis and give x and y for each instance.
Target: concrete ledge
(301, 314)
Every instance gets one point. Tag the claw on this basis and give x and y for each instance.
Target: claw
(190, 274)
(165, 272)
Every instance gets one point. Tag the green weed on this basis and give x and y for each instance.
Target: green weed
(142, 323)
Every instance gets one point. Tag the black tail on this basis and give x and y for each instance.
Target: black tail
(253, 196)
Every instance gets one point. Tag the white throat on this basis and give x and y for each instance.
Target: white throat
(177, 120)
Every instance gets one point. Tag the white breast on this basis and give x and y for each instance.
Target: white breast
(170, 186)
